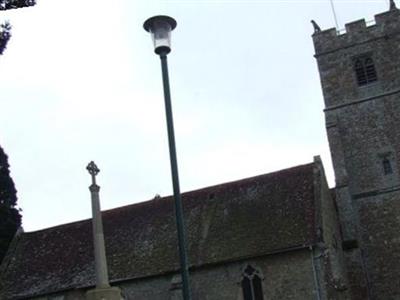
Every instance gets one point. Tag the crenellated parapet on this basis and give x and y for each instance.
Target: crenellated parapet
(357, 32)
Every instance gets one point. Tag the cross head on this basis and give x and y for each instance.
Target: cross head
(93, 170)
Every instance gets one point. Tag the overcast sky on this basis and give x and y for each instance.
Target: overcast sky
(79, 81)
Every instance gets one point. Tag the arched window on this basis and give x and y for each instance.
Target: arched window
(251, 284)
(365, 70)
(387, 166)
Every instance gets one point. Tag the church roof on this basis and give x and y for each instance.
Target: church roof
(251, 217)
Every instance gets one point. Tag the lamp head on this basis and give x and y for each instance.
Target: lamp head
(160, 28)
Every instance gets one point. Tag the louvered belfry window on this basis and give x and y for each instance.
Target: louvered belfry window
(365, 70)
(251, 284)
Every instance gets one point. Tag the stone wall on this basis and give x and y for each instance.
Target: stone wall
(366, 136)
(380, 223)
(328, 249)
(286, 276)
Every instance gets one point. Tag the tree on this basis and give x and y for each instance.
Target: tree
(5, 28)
(10, 218)
(5, 34)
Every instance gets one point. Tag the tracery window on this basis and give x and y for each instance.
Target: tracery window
(365, 70)
(251, 284)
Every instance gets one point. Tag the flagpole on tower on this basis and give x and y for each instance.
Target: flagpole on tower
(334, 15)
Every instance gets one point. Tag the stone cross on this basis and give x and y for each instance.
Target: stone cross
(93, 170)
(98, 235)
(103, 289)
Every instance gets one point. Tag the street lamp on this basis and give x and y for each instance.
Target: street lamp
(160, 28)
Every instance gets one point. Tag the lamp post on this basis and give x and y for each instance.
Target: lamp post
(160, 28)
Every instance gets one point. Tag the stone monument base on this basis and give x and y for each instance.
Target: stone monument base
(111, 293)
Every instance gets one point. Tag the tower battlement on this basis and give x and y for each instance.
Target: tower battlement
(357, 32)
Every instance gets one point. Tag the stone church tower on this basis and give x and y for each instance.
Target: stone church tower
(360, 78)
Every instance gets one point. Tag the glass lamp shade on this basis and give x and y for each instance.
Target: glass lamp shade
(160, 28)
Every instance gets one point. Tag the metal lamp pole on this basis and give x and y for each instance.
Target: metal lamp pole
(160, 28)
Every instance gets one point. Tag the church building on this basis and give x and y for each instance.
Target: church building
(282, 235)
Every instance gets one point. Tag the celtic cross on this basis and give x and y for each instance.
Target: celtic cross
(93, 170)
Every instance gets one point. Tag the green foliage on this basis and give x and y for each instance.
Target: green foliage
(5, 29)
(5, 34)
(10, 218)
(12, 4)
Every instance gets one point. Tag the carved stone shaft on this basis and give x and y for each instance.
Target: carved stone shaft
(98, 240)
(103, 290)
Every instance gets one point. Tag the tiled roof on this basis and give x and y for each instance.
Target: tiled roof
(251, 217)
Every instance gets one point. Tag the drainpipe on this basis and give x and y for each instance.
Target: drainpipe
(315, 273)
